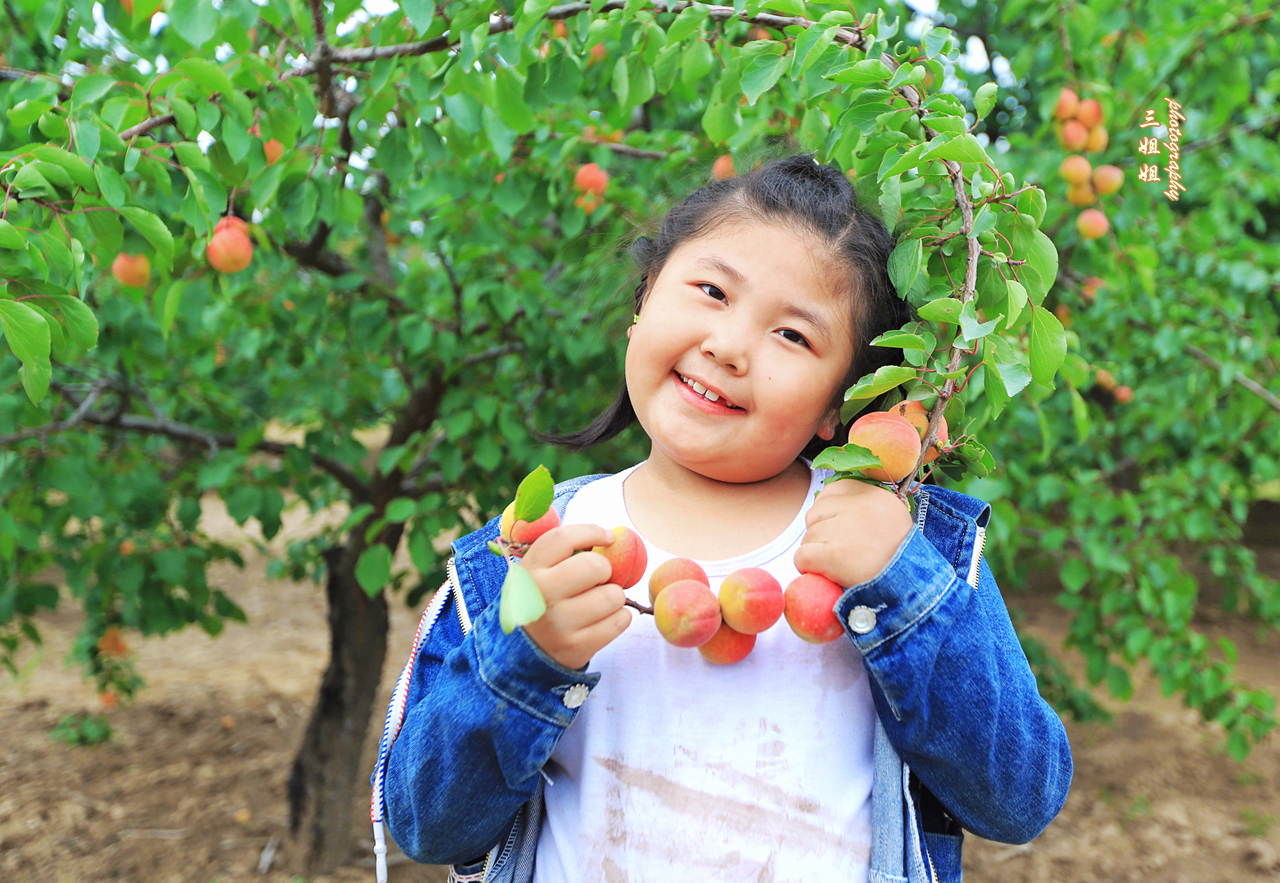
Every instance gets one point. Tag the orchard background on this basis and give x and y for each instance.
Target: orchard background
(326, 391)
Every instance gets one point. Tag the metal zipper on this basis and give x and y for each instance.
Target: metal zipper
(464, 619)
(977, 556)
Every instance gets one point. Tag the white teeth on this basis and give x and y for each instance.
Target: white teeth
(703, 391)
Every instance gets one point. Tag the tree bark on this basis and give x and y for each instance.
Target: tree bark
(327, 768)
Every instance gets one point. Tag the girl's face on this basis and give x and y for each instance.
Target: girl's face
(725, 311)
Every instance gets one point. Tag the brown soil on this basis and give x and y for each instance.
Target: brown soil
(192, 786)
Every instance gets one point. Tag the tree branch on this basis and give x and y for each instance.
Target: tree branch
(146, 126)
(1209, 361)
(323, 64)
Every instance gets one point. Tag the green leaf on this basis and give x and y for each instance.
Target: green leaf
(944, 309)
(905, 264)
(521, 602)
(89, 89)
(1041, 269)
(900, 340)
(970, 328)
(1048, 345)
(29, 338)
(165, 303)
(207, 74)
(76, 168)
(114, 191)
(985, 99)
(1017, 301)
(848, 458)
(400, 509)
(696, 63)
(154, 230)
(534, 495)
(885, 379)
(509, 91)
(1033, 204)
(962, 148)
(420, 13)
(531, 15)
(1007, 365)
(862, 73)
(82, 324)
(374, 569)
(761, 73)
(907, 75)
(688, 22)
(908, 160)
(10, 238)
(195, 21)
(809, 47)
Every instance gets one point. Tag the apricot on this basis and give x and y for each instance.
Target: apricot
(1092, 223)
(1106, 380)
(1075, 169)
(132, 270)
(809, 608)
(627, 557)
(233, 223)
(1081, 194)
(274, 150)
(524, 531)
(590, 178)
(127, 547)
(1107, 179)
(750, 600)
(560, 29)
(1089, 113)
(1074, 135)
(1089, 290)
(1124, 394)
(229, 250)
(917, 415)
(687, 613)
(596, 53)
(892, 438)
(1068, 103)
(588, 202)
(1063, 312)
(1097, 140)
(673, 571)
(723, 168)
(727, 646)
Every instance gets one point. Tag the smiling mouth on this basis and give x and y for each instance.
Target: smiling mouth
(720, 400)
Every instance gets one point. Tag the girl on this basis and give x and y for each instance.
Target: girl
(584, 748)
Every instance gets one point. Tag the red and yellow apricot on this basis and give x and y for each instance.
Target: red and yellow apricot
(1092, 224)
(1089, 113)
(809, 608)
(590, 178)
(522, 531)
(1075, 169)
(626, 555)
(1107, 179)
(751, 600)
(1081, 194)
(229, 250)
(915, 413)
(687, 613)
(1068, 104)
(132, 270)
(892, 438)
(672, 571)
(1074, 135)
(727, 646)
(1124, 394)
(1096, 142)
(722, 168)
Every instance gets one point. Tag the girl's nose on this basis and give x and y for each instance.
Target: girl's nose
(726, 341)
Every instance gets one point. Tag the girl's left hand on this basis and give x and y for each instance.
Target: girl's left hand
(852, 531)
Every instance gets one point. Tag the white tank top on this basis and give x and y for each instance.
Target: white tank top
(679, 770)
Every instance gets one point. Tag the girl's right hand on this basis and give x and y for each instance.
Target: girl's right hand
(584, 610)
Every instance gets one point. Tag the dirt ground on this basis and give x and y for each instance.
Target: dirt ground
(192, 787)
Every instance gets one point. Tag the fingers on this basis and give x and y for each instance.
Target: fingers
(558, 571)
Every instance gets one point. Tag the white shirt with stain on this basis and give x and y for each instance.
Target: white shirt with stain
(680, 770)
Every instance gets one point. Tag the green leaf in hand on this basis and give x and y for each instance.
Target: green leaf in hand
(521, 602)
(534, 495)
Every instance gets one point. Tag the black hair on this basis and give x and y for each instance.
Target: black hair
(812, 198)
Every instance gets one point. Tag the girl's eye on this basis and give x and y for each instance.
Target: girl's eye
(707, 285)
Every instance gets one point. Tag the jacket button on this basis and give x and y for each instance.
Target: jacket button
(862, 620)
(576, 695)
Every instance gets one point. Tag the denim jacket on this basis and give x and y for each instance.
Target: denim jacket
(963, 738)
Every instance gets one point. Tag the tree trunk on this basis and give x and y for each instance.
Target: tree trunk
(327, 768)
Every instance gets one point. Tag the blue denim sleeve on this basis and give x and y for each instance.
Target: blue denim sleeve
(483, 714)
(956, 694)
